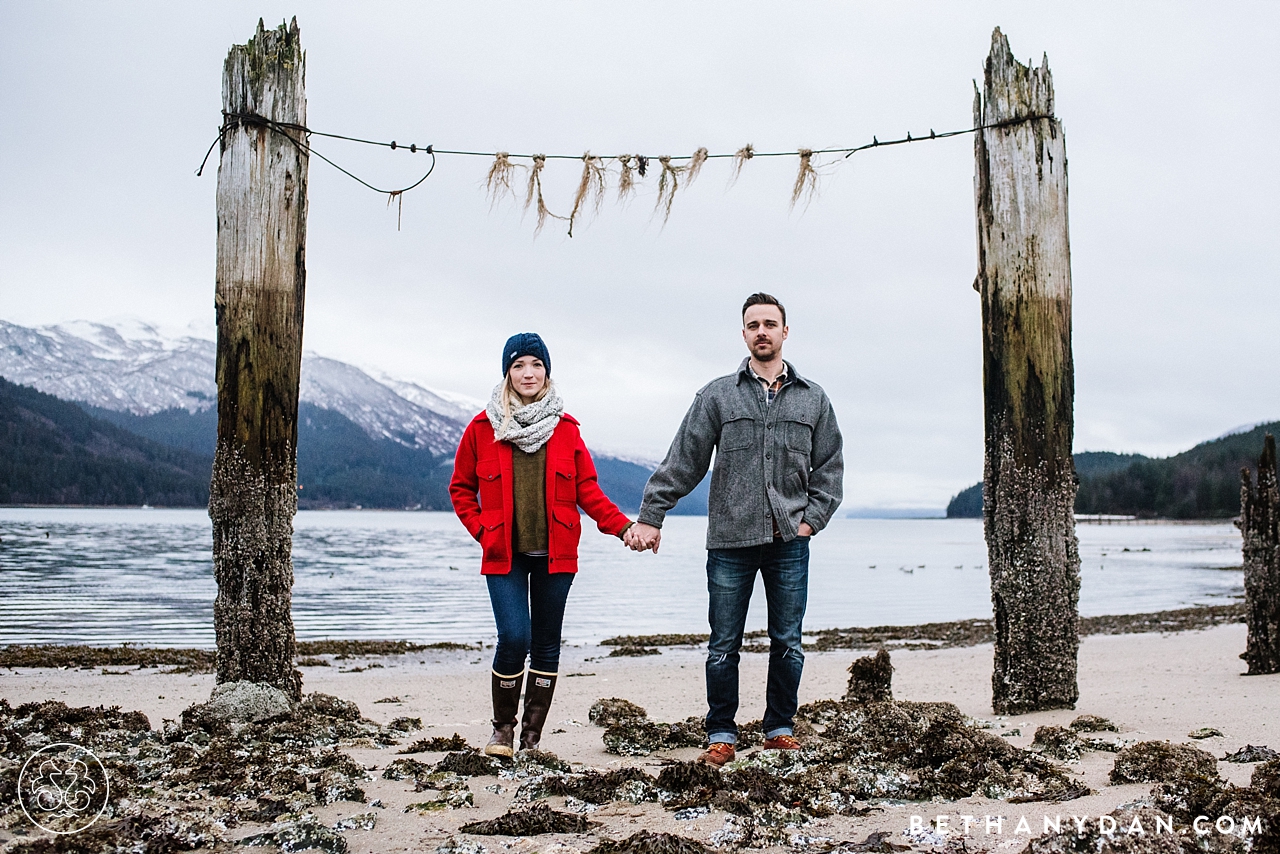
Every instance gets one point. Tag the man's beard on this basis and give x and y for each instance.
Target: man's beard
(764, 357)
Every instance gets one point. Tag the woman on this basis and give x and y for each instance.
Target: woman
(521, 472)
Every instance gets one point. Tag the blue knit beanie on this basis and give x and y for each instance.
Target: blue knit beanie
(525, 344)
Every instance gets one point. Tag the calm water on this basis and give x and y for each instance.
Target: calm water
(109, 576)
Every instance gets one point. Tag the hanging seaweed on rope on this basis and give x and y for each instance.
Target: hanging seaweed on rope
(668, 183)
(498, 182)
(695, 164)
(740, 158)
(806, 185)
(534, 193)
(590, 185)
(626, 176)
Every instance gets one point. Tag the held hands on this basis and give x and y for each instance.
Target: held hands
(641, 537)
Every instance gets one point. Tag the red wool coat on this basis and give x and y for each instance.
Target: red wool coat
(482, 495)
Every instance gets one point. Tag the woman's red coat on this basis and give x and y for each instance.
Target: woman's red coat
(482, 495)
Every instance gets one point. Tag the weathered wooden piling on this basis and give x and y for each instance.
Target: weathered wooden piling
(1260, 525)
(261, 274)
(1029, 481)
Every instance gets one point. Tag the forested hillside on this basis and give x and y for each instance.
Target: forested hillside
(53, 452)
(1202, 483)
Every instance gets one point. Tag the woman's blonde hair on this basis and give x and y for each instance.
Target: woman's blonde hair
(511, 401)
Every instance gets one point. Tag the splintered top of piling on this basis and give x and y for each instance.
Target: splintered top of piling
(1010, 89)
(267, 75)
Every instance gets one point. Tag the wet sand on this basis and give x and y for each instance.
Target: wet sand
(1152, 686)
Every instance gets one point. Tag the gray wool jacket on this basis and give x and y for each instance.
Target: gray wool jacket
(781, 461)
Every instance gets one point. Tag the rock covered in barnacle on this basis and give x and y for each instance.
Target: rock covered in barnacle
(1058, 743)
(247, 702)
(1161, 761)
(607, 712)
(1092, 723)
(640, 736)
(870, 678)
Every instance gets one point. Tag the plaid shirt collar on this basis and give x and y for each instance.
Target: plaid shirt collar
(770, 389)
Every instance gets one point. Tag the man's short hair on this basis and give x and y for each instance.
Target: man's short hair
(764, 299)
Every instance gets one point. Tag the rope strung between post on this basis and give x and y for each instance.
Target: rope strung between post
(592, 183)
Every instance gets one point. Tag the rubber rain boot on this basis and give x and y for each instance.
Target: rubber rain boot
(538, 691)
(506, 702)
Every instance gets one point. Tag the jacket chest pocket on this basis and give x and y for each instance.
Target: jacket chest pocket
(737, 433)
(566, 485)
(489, 473)
(798, 434)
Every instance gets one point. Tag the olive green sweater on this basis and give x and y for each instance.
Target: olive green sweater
(529, 493)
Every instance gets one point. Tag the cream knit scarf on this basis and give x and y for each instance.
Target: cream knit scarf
(530, 426)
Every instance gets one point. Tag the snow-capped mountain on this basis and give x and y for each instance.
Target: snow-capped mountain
(127, 366)
(131, 366)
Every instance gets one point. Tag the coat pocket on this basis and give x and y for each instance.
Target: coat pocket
(566, 481)
(567, 532)
(493, 537)
(799, 436)
(489, 473)
(737, 434)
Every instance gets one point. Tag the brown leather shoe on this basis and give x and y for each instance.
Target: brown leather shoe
(717, 754)
(781, 742)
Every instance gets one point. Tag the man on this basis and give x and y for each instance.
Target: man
(777, 480)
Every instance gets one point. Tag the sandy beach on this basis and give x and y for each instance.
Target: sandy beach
(1152, 686)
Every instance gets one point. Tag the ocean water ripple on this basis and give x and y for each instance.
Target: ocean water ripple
(110, 576)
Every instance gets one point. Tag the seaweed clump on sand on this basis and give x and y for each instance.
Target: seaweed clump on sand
(629, 732)
(92, 657)
(1249, 753)
(633, 651)
(533, 821)
(470, 763)
(437, 744)
(1162, 762)
(184, 786)
(646, 842)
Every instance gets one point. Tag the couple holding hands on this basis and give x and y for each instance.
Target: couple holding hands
(522, 471)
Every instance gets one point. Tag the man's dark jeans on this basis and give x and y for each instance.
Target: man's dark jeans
(528, 606)
(731, 575)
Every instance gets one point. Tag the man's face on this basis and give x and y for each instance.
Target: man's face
(763, 331)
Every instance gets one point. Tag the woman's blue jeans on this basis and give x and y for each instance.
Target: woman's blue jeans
(528, 606)
(731, 575)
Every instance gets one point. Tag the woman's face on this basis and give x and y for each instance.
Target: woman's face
(528, 375)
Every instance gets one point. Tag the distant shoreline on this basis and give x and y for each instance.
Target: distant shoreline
(955, 633)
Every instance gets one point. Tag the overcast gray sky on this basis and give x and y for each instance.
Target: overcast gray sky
(1171, 118)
